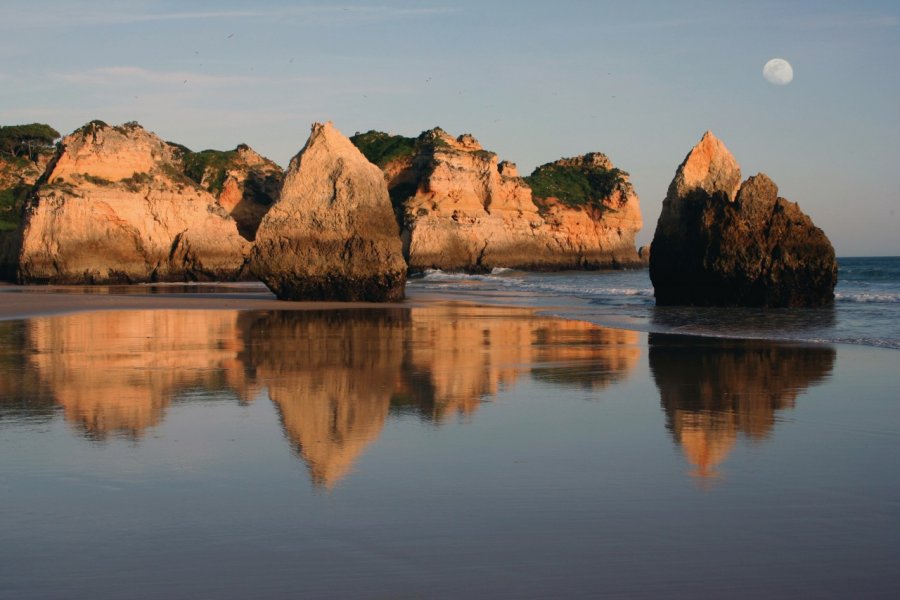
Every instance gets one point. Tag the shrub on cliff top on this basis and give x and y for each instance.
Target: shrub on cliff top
(575, 186)
(381, 148)
(26, 140)
(208, 167)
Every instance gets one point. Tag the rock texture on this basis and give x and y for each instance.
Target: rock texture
(113, 206)
(245, 183)
(332, 234)
(722, 243)
(17, 178)
(461, 209)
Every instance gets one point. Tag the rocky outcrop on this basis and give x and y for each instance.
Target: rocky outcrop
(722, 243)
(113, 206)
(462, 209)
(332, 234)
(245, 183)
(18, 174)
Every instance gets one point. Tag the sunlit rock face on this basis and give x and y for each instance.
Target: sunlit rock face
(114, 373)
(114, 206)
(722, 243)
(712, 391)
(332, 234)
(461, 209)
(17, 177)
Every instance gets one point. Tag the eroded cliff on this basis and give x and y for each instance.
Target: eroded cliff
(114, 206)
(461, 208)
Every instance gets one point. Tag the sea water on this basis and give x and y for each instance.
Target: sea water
(866, 309)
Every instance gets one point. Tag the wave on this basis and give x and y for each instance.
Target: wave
(868, 297)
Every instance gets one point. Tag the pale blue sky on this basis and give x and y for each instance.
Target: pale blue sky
(533, 81)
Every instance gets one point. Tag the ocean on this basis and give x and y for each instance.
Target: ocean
(866, 309)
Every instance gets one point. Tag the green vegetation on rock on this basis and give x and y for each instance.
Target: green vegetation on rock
(11, 201)
(26, 140)
(575, 185)
(381, 148)
(209, 168)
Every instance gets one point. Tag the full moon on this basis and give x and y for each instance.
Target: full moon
(778, 71)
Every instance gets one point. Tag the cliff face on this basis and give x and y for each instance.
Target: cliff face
(720, 242)
(18, 174)
(113, 206)
(332, 234)
(462, 209)
(245, 183)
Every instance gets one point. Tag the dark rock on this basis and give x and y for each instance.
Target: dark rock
(714, 248)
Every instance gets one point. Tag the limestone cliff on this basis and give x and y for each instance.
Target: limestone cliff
(18, 174)
(460, 208)
(245, 183)
(332, 234)
(720, 242)
(113, 206)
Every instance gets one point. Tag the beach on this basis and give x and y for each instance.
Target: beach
(208, 440)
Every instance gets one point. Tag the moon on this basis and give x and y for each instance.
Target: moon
(778, 71)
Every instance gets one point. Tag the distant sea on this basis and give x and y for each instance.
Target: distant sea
(866, 310)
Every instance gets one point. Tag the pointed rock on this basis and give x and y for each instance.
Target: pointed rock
(723, 244)
(710, 167)
(113, 207)
(332, 233)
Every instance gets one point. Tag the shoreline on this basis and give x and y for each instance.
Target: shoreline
(19, 302)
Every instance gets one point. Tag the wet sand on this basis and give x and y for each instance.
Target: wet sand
(22, 302)
(246, 447)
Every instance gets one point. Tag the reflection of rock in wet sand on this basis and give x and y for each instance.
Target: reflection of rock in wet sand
(334, 375)
(115, 372)
(331, 374)
(712, 390)
(23, 395)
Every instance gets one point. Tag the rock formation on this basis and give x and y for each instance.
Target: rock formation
(719, 242)
(332, 233)
(18, 174)
(113, 206)
(245, 183)
(462, 209)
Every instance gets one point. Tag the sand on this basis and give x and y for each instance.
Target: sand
(22, 302)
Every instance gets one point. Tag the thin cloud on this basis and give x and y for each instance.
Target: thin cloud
(139, 75)
(315, 13)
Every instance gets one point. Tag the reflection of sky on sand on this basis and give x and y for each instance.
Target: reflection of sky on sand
(334, 376)
(713, 390)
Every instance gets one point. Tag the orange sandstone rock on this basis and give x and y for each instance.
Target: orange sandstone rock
(113, 206)
(332, 234)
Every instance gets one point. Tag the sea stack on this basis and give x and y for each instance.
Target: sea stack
(462, 209)
(722, 243)
(114, 207)
(332, 233)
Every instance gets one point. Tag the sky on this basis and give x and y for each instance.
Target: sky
(533, 80)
